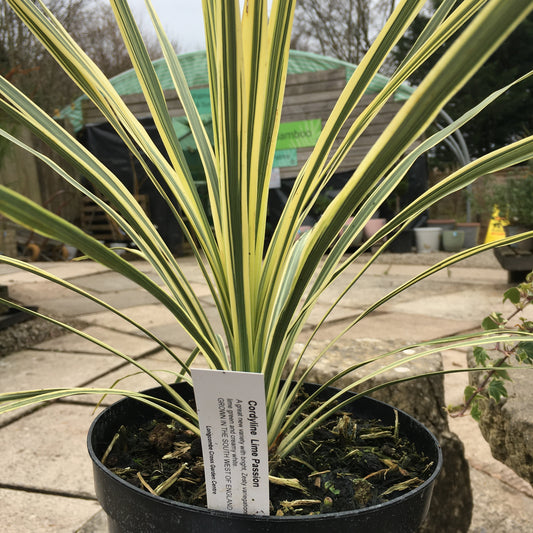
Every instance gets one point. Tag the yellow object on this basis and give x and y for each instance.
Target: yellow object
(495, 230)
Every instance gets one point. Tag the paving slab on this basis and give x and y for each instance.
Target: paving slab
(341, 313)
(112, 281)
(472, 304)
(61, 302)
(455, 383)
(410, 270)
(39, 293)
(190, 269)
(401, 328)
(146, 315)
(96, 524)
(34, 369)
(480, 276)
(119, 299)
(366, 291)
(161, 363)
(67, 270)
(46, 450)
(173, 334)
(453, 273)
(163, 357)
(72, 269)
(105, 282)
(39, 465)
(497, 507)
(131, 345)
(370, 289)
(202, 292)
(27, 512)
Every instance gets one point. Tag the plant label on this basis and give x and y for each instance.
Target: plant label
(275, 179)
(232, 417)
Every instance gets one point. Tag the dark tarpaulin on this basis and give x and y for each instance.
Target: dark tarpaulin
(107, 146)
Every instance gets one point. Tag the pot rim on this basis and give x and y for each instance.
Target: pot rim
(428, 229)
(293, 518)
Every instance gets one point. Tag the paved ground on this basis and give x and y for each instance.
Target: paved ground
(45, 473)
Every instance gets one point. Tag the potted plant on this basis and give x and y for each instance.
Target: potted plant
(515, 199)
(519, 201)
(263, 294)
(511, 194)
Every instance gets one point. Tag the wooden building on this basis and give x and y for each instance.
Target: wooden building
(314, 84)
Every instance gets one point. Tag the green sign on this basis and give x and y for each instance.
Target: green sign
(298, 134)
(285, 158)
(202, 100)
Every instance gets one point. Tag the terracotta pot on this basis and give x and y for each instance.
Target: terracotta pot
(444, 223)
(373, 226)
(358, 239)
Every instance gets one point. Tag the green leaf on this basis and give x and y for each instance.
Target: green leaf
(475, 411)
(496, 390)
(481, 356)
(469, 393)
(513, 295)
(493, 321)
(502, 374)
(330, 485)
(524, 352)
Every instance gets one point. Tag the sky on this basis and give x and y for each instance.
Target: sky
(182, 20)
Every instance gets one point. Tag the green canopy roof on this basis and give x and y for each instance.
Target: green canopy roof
(194, 65)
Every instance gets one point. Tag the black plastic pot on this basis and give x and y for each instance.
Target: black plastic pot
(131, 510)
(403, 243)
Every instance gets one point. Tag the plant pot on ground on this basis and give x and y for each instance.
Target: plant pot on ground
(427, 239)
(131, 509)
(513, 229)
(471, 231)
(452, 240)
(403, 243)
(514, 199)
(373, 226)
(443, 223)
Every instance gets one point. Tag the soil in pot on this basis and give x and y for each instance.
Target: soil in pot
(345, 464)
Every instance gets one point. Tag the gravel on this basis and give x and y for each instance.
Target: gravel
(26, 334)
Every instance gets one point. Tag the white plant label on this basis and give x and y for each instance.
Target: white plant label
(275, 179)
(232, 415)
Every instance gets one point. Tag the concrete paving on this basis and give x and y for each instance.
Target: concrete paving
(45, 472)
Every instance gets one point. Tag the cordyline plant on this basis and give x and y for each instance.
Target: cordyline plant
(263, 292)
